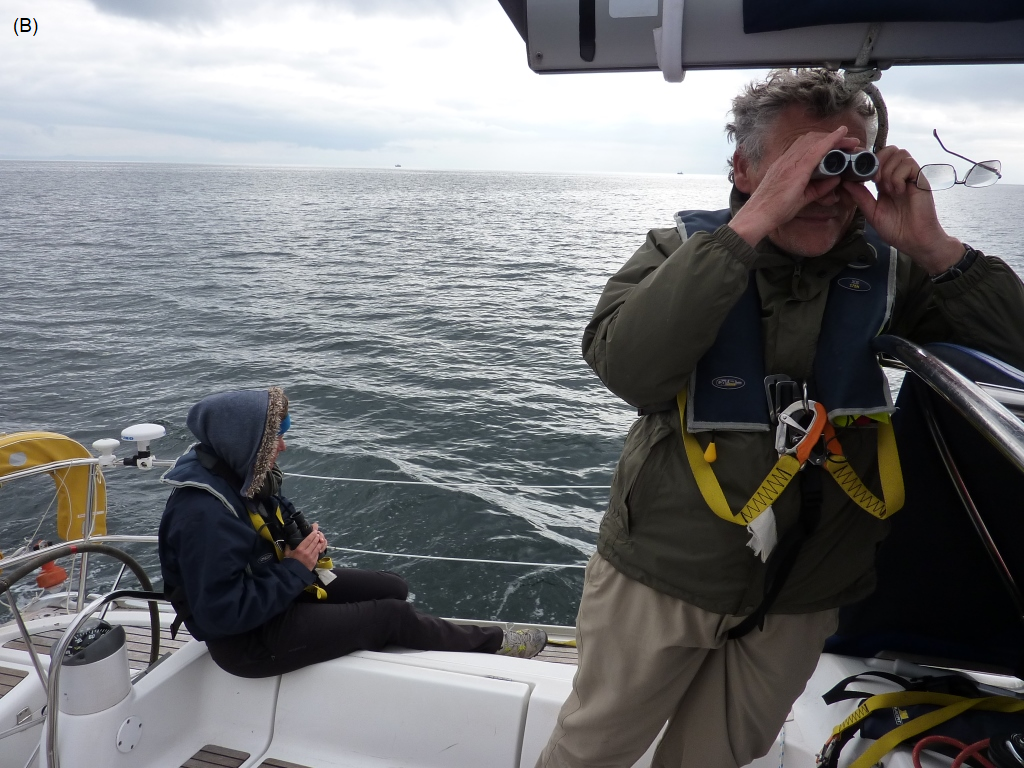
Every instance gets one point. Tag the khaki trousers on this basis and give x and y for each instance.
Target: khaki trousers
(646, 658)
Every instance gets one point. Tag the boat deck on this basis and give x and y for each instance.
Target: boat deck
(138, 646)
(137, 638)
(544, 685)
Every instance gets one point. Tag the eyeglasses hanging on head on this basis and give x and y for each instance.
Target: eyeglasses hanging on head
(943, 176)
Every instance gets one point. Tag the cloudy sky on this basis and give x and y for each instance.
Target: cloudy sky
(424, 83)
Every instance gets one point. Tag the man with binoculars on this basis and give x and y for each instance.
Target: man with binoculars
(248, 575)
(743, 337)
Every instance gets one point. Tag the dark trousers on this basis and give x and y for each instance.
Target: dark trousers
(364, 610)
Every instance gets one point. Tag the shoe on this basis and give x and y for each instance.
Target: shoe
(523, 643)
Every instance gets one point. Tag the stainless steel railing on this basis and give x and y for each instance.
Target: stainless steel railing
(981, 410)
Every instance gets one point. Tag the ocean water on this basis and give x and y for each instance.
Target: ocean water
(425, 325)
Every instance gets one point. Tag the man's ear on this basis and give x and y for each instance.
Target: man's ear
(741, 169)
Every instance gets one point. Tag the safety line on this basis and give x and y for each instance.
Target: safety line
(452, 559)
(443, 485)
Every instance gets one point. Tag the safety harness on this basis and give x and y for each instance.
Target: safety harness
(267, 525)
(723, 394)
(820, 434)
(946, 705)
(806, 442)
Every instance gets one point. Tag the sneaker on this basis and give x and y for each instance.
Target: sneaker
(523, 643)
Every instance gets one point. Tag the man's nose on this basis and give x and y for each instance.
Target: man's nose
(830, 198)
(280, 444)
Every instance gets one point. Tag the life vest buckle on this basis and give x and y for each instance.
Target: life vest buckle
(781, 392)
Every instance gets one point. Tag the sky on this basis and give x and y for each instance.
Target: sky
(439, 84)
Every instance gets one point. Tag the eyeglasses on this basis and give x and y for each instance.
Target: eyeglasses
(942, 176)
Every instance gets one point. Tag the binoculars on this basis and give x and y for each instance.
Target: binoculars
(295, 528)
(855, 166)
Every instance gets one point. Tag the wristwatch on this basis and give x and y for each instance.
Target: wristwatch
(969, 257)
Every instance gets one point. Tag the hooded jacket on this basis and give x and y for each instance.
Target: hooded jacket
(231, 577)
(659, 315)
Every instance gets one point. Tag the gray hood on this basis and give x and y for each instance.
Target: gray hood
(241, 428)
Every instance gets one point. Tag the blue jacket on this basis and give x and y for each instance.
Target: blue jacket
(230, 575)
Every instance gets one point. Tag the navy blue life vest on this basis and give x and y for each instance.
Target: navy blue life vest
(726, 390)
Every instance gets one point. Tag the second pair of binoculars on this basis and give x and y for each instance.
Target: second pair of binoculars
(856, 166)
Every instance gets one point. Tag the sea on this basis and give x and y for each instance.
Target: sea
(426, 326)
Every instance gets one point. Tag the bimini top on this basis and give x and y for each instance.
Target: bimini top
(69, 464)
(622, 35)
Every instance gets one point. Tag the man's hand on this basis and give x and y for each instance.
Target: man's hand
(903, 214)
(787, 187)
(309, 551)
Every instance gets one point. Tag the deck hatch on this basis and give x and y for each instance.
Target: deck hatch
(214, 756)
(10, 678)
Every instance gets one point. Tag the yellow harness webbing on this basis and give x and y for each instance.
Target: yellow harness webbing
(261, 528)
(786, 468)
(950, 707)
(767, 493)
(889, 471)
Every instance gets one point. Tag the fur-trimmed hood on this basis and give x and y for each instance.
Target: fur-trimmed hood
(241, 428)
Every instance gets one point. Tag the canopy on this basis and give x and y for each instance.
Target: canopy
(27, 450)
(619, 35)
(770, 15)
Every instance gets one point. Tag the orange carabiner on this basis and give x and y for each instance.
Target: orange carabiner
(814, 432)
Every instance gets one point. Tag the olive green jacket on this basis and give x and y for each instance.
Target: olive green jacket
(657, 317)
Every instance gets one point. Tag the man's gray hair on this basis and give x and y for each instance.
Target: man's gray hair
(824, 92)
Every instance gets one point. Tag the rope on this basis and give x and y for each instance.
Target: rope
(881, 111)
(862, 78)
(454, 559)
(445, 485)
(46, 512)
(967, 751)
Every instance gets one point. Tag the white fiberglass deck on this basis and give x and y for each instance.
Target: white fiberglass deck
(397, 708)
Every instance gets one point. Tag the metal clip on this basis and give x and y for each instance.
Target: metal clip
(824, 757)
(781, 391)
(791, 432)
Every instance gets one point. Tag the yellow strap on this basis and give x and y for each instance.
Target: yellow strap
(889, 469)
(264, 531)
(854, 487)
(771, 488)
(261, 528)
(787, 467)
(702, 472)
(919, 725)
(895, 699)
(317, 590)
(769, 491)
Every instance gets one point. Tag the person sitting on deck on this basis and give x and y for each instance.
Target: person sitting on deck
(264, 606)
